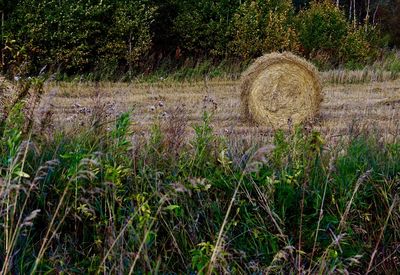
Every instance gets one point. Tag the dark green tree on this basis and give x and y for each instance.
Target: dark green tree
(128, 38)
(322, 28)
(203, 27)
(75, 35)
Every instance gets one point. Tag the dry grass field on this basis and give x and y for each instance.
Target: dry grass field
(346, 107)
(108, 196)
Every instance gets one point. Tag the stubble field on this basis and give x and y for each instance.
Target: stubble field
(369, 105)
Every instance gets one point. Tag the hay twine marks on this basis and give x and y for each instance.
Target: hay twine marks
(281, 87)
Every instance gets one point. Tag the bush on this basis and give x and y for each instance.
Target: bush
(128, 38)
(355, 50)
(322, 28)
(328, 38)
(395, 65)
(202, 26)
(263, 27)
(391, 62)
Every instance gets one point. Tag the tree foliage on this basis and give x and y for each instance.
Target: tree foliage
(322, 27)
(80, 36)
(325, 34)
(77, 34)
(263, 26)
(203, 26)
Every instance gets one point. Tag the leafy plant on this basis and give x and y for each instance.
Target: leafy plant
(263, 26)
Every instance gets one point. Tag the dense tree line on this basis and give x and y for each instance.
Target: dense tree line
(78, 36)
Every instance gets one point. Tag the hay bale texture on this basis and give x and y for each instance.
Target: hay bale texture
(281, 87)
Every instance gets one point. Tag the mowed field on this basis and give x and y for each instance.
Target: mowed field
(374, 105)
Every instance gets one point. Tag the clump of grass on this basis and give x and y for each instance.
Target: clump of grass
(102, 198)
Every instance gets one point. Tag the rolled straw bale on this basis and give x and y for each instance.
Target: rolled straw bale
(279, 87)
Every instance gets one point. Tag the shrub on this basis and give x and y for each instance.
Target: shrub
(355, 50)
(201, 26)
(395, 65)
(322, 28)
(328, 38)
(262, 27)
(129, 37)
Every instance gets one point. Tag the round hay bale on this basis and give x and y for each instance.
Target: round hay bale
(281, 87)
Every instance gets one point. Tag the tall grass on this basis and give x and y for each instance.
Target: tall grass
(103, 199)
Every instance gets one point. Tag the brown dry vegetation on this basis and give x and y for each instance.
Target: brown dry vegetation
(372, 104)
(99, 199)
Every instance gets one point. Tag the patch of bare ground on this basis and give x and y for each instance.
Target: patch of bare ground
(373, 106)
